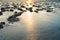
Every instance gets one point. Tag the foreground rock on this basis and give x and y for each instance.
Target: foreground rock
(2, 25)
(12, 19)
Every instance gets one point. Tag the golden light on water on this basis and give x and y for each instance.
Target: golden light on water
(28, 20)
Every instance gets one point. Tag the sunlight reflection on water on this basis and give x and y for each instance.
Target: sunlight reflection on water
(29, 22)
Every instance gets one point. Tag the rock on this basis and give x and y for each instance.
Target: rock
(17, 14)
(7, 7)
(15, 6)
(12, 19)
(29, 9)
(20, 9)
(36, 6)
(49, 10)
(1, 13)
(1, 24)
(36, 11)
(11, 10)
(3, 9)
(23, 6)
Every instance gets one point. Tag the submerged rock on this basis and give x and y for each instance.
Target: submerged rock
(49, 10)
(29, 9)
(12, 19)
(1, 25)
(1, 13)
(18, 14)
(11, 10)
(3, 9)
(36, 11)
(20, 9)
(23, 6)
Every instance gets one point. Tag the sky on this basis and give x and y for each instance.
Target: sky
(39, 0)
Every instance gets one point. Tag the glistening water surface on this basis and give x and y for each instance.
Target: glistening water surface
(33, 26)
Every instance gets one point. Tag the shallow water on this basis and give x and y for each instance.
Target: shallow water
(32, 26)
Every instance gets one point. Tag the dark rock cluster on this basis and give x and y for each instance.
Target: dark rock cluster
(13, 18)
(2, 25)
(1, 13)
(19, 7)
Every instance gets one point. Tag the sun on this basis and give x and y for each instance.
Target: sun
(29, 1)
